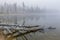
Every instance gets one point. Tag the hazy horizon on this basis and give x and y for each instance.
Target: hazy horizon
(47, 4)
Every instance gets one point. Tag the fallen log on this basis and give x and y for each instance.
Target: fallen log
(22, 33)
(19, 31)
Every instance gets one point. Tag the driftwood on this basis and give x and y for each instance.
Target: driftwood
(9, 25)
(10, 32)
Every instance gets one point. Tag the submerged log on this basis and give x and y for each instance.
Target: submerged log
(51, 27)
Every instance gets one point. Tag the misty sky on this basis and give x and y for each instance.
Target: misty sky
(48, 4)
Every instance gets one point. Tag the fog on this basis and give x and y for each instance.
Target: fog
(26, 13)
(49, 4)
(47, 18)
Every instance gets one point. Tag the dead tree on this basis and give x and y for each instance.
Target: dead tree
(9, 33)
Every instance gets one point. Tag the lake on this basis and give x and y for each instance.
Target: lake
(43, 19)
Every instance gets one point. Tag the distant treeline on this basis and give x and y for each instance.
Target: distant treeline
(17, 8)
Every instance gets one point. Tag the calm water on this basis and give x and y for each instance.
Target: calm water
(43, 19)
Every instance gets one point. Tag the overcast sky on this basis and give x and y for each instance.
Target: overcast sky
(49, 4)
